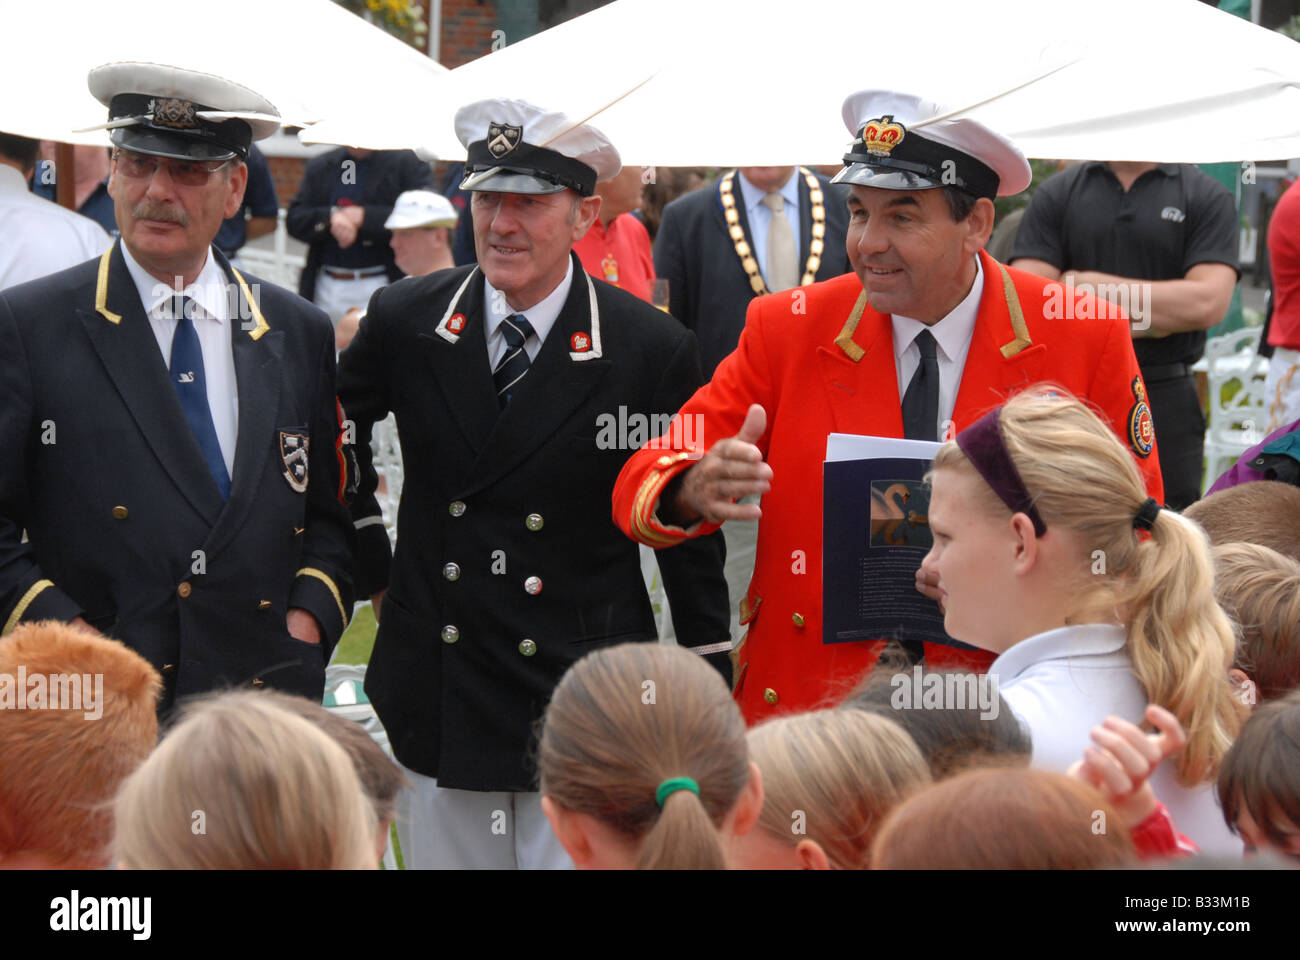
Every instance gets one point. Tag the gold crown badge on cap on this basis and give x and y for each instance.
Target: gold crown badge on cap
(882, 135)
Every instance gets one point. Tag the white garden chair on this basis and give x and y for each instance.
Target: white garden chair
(1239, 420)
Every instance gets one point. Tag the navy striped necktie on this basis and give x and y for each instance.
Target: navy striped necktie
(191, 383)
(514, 365)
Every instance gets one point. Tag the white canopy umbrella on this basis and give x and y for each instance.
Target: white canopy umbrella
(725, 82)
(308, 57)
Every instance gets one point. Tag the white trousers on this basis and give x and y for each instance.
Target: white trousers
(742, 543)
(445, 829)
(654, 586)
(336, 297)
(1282, 388)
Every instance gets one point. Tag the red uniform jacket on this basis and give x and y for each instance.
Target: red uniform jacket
(820, 361)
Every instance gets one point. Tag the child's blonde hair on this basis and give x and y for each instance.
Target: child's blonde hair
(843, 770)
(1260, 589)
(1081, 479)
(1003, 818)
(625, 719)
(242, 783)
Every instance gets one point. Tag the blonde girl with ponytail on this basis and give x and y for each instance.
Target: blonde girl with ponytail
(644, 764)
(1097, 601)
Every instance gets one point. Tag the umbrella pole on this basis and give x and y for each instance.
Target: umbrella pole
(65, 174)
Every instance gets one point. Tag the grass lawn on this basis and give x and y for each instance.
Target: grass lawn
(359, 638)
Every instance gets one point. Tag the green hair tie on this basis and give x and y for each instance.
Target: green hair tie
(669, 787)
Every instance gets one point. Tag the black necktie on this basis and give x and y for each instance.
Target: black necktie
(921, 401)
(516, 329)
(187, 376)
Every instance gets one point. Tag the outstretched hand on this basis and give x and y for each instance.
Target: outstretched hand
(731, 470)
(1124, 756)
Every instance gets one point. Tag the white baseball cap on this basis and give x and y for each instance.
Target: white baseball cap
(421, 208)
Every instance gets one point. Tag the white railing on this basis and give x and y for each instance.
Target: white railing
(386, 451)
(276, 265)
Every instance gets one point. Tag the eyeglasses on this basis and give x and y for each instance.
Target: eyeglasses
(140, 166)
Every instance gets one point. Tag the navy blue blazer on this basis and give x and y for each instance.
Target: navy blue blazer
(708, 288)
(391, 173)
(126, 525)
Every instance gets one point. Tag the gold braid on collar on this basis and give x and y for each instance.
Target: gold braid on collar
(746, 255)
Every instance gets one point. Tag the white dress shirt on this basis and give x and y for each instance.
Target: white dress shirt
(1064, 682)
(760, 217)
(541, 316)
(209, 291)
(953, 335)
(37, 237)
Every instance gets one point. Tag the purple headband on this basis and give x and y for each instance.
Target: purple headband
(983, 445)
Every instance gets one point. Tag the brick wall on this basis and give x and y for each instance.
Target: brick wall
(287, 174)
(467, 27)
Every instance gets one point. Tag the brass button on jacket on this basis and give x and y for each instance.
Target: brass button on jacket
(527, 647)
(769, 695)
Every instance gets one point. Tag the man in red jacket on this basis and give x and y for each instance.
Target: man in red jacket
(929, 335)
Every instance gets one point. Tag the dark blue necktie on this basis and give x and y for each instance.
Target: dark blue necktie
(516, 329)
(192, 388)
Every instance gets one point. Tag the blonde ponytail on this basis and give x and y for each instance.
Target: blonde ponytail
(626, 719)
(1081, 479)
(1182, 642)
(682, 838)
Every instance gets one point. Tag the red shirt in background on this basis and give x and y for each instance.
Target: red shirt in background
(1284, 259)
(619, 254)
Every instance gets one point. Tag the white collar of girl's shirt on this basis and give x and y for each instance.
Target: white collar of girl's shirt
(1063, 643)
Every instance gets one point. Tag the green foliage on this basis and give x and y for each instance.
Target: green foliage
(1042, 169)
(404, 19)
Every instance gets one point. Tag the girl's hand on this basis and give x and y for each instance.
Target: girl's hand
(1124, 757)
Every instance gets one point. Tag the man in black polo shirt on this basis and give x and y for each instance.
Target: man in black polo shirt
(1161, 241)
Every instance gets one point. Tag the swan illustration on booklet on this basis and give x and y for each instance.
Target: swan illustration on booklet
(875, 533)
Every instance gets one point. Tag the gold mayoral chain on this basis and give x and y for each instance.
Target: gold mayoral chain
(742, 246)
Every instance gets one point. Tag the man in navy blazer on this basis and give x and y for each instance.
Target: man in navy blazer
(171, 433)
(712, 248)
(339, 211)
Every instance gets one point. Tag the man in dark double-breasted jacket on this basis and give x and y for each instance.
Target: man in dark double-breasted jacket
(170, 431)
(517, 385)
(339, 211)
